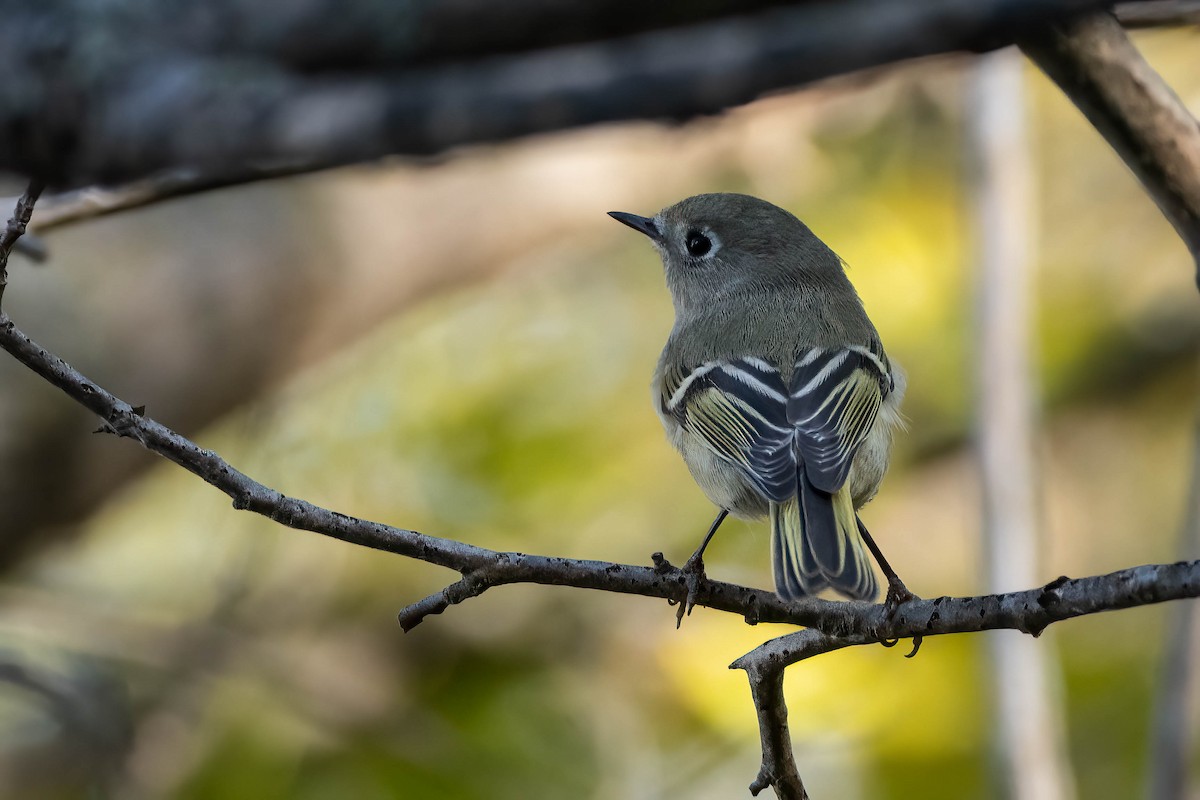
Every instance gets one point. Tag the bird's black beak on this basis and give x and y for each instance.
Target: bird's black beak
(642, 224)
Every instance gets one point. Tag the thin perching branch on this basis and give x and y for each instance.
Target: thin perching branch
(1029, 611)
(78, 205)
(94, 201)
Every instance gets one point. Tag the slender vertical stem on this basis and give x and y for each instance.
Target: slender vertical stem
(1174, 727)
(1032, 754)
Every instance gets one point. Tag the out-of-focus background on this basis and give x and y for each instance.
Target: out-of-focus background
(465, 349)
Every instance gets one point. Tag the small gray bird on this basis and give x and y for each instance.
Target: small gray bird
(774, 387)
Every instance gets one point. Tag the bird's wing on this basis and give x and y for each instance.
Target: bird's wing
(738, 409)
(833, 399)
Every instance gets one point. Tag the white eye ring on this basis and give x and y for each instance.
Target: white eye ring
(701, 243)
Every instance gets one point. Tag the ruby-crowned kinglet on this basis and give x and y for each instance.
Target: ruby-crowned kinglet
(774, 385)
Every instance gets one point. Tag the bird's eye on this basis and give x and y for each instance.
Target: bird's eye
(697, 243)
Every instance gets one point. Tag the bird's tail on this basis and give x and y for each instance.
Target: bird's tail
(815, 544)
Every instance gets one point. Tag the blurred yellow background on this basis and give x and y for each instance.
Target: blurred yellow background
(475, 364)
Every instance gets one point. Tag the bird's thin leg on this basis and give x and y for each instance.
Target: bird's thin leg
(693, 570)
(897, 593)
(697, 559)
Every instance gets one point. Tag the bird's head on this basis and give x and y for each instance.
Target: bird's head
(718, 245)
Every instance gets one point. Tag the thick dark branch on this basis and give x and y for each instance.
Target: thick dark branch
(356, 35)
(1096, 65)
(88, 111)
(1158, 13)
